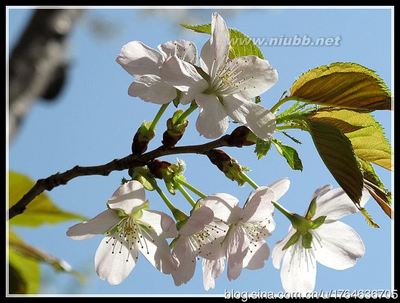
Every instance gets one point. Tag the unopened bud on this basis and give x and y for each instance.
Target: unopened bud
(219, 158)
(142, 138)
(175, 129)
(229, 166)
(157, 168)
(242, 136)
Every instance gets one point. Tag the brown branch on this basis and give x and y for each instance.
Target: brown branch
(117, 164)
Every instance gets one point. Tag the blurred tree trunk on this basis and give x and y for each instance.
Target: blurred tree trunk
(39, 61)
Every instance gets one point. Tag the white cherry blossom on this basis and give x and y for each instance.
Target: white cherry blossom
(144, 62)
(197, 237)
(223, 88)
(130, 228)
(334, 244)
(243, 246)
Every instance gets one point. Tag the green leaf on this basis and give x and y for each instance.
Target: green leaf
(368, 218)
(28, 272)
(241, 45)
(24, 275)
(41, 210)
(17, 283)
(338, 155)
(289, 153)
(32, 253)
(342, 84)
(376, 188)
(365, 133)
(262, 148)
(17, 244)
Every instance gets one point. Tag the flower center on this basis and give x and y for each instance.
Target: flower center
(257, 231)
(132, 234)
(226, 80)
(207, 236)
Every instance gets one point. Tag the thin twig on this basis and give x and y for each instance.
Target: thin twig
(127, 162)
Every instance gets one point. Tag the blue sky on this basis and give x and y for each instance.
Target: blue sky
(94, 121)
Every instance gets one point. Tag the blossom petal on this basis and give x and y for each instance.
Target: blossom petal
(237, 248)
(320, 191)
(213, 119)
(187, 261)
(299, 270)
(151, 88)
(139, 59)
(337, 245)
(128, 196)
(280, 187)
(114, 263)
(336, 204)
(221, 204)
(156, 251)
(216, 50)
(98, 225)
(252, 76)
(183, 49)
(160, 222)
(256, 255)
(259, 207)
(182, 75)
(197, 220)
(212, 269)
(257, 118)
(277, 252)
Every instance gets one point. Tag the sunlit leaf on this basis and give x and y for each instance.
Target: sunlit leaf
(17, 283)
(337, 153)
(342, 84)
(24, 274)
(365, 133)
(241, 45)
(41, 210)
(25, 250)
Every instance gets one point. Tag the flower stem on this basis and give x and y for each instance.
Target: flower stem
(186, 113)
(283, 210)
(178, 215)
(276, 204)
(249, 180)
(191, 188)
(185, 194)
(278, 104)
(158, 116)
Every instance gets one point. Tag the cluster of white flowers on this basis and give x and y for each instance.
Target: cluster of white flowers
(218, 229)
(221, 87)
